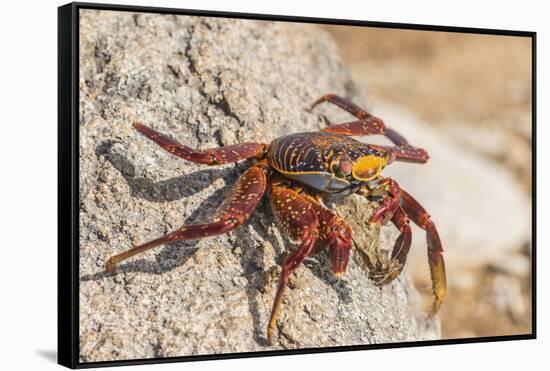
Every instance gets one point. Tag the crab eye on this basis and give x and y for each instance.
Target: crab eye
(345, 166)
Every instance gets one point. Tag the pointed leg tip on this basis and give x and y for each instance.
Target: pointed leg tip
(110, 266)
(269, 339)
(317, 102)
(434, 310)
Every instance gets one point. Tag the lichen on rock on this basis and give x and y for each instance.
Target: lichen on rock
(210, 82)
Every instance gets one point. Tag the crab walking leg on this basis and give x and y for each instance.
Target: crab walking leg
(213, 156)
(306, 219)
(336, 235)
(292, 262)
(295, 213)
(368, 126)
(421, 218)
(235, 210)
(403, 151)
(408, 153)
(344, 104)
(189, 232)
(395, 137)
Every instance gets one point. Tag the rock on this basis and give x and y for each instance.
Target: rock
(482, 213)
(209, 82)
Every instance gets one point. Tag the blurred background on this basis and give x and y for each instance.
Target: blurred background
(466, 98)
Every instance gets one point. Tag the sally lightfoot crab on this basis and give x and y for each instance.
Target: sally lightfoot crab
(297, 170)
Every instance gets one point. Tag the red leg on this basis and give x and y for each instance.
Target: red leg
(337, 235)
(236, 209)
(407, 153)
(395, 137)
(292, 262)
(213, 156)
(389, 190)
(306, 219)
(296, 215)
(435, 250)
(403, 151)
(344, 104)
(369, 126)
(366, 125)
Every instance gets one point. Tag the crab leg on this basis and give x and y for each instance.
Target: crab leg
(403, 151)
(369, 125)
(344, 104)
(213, 156)
(296, 215)
(305, 219)
(395, 137)
(235, 210)
(389, 189)
(421, 218)
(408, 153)
(292, 262)
(366, 125)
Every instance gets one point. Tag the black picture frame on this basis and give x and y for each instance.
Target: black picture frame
(68, 182)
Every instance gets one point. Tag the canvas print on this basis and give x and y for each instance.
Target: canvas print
(258, 185)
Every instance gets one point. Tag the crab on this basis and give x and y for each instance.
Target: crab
(297, 170)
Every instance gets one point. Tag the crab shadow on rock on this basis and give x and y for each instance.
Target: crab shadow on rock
(178, 253)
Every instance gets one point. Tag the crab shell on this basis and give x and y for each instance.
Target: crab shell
(330, 163)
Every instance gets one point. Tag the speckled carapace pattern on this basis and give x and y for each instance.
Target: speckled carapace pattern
(312, 152)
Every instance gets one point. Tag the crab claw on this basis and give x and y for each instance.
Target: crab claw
(400, 248)
(384, 213)
(389, 204)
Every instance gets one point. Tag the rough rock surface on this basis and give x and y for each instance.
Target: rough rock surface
(208, 83)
